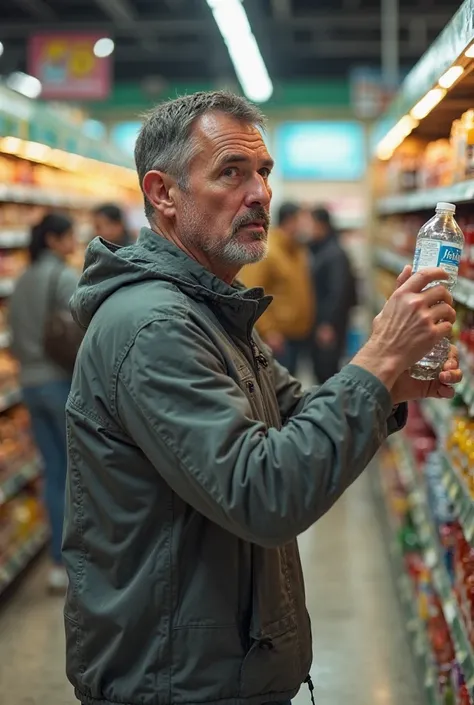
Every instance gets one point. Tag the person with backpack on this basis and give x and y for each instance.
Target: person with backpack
(335, 288)
(38, 311)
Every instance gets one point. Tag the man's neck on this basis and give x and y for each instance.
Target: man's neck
(227, 274)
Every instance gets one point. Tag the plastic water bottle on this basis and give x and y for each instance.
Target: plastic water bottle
(439, 244)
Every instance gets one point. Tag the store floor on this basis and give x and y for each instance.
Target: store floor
(361, 655)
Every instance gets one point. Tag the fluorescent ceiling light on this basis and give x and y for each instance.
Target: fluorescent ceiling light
(25, 84)
(104, 47)
(470, 52)
(451, 76)
(426, 104)
(2, 48)
(249, 66)
(395, 137)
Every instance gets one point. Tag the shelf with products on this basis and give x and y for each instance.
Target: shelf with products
(394, 262)
(417, 630)
(20, 555)
(429, 539)
(18, 478)
(423, 149)
(461, 192)
(433, 619)
(22, 519)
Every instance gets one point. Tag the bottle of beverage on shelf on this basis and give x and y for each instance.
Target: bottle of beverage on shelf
(439, 244)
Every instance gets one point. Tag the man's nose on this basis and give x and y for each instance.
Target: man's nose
(259, 193)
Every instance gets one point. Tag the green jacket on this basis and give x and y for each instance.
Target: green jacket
(195, 461)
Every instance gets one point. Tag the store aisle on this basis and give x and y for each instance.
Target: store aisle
(361, 654)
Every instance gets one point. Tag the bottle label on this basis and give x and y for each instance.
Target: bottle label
(435, 253)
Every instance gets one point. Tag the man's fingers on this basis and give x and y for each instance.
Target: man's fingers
(450, 376)
(442, 312)
(435, 294)
(404, 276)
(445, 392)
(417, 282)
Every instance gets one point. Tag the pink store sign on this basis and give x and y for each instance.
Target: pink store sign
(68, 68)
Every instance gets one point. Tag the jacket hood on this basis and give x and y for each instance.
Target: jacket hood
(108, 267)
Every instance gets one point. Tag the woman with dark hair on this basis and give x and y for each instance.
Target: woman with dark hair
(109, 224)
(48, 282)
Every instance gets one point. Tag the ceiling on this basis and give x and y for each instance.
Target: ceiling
(177, 40)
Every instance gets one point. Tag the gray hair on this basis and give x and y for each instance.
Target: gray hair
(164, 143)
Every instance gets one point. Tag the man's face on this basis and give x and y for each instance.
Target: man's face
(224, 211)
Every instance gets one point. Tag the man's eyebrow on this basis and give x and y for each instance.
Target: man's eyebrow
(239, 158)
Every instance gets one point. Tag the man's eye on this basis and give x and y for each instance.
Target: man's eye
(230, 171)
(265, 172)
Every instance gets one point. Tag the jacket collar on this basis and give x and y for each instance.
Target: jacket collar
(237, 308)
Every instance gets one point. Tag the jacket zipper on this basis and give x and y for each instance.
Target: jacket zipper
(260, 361)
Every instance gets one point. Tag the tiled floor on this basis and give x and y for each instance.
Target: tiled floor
(361, 655)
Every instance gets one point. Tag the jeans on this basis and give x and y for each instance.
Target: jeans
(46, 404)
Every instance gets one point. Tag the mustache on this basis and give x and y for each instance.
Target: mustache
(257, 213)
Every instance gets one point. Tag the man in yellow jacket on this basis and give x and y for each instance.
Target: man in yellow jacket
(285, 275)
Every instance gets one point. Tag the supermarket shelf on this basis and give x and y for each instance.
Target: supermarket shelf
(10, 487)
(453, 481)
(428, 536)
(445, 50)
(394, 262)
(420, 200)
(14, 238)
(23, 193)
(422, 652)
(9, 399)
(416, 629)
(15, 565)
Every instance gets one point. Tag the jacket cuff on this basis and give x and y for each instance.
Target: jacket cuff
(373, 385)
(398, 418)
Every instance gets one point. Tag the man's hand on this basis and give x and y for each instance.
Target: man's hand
(325, 335)
(407, 389)
(412, 321)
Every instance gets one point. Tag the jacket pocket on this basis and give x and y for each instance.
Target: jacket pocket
(206, 664)
(271, 665)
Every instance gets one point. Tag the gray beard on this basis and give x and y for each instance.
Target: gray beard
(228, 251)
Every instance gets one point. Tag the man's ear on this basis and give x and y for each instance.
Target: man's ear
(159, 189)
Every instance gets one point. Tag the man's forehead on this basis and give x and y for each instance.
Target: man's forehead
(215, 131)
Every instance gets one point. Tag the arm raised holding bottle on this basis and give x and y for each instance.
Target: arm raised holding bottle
(414, 319)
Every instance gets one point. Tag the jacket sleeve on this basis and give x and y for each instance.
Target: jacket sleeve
(194, 424)
(292, 399)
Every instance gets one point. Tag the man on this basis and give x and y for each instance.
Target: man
(195, 460)
(335, 290)
(285, 275)
(109, 224)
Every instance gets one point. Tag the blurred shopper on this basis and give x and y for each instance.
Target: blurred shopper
(285, 275)
(110, 224)
(195, 459)
(48, 282)
(336, 294)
